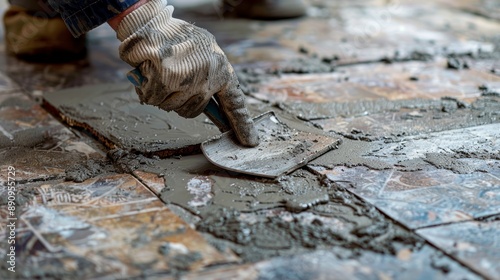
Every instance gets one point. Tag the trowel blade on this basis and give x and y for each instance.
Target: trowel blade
(281, 149)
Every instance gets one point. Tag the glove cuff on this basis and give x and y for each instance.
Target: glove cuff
(139, 18)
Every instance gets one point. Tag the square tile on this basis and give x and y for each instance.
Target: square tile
(36, 144)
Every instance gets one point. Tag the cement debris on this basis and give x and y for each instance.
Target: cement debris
(87, 170)
(457, 63)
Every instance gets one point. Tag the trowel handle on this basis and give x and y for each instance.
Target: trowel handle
(212, 111)
(217, 116)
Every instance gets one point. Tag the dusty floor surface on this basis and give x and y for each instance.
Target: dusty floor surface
(107, 188)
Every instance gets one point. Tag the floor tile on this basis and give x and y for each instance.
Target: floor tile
(477, 244)
(150, 242)
(403, 81)
(363, 33)
(468, 147)
(422, 263)
(7, 85)
(98, 198)
(102, 197)
(36, 144)
(426, 263)
(112, 224)
(113, 113)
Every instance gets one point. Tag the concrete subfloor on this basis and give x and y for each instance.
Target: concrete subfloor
(413, 191)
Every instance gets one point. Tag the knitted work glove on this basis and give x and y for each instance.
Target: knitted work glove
(182, 66)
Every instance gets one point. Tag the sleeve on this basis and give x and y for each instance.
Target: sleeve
(82, 16)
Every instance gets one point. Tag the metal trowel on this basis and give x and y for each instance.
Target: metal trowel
(281, 150)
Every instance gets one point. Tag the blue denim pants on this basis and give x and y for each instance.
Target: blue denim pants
(79, 15)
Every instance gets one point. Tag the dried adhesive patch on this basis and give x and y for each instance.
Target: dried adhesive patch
(281, 149)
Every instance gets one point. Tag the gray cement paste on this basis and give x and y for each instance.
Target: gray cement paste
(444, 161)
(461, 151)
(313, 111)
(446, 114)
(258, 218)
(457, 113)
(89, 169)
(113, 113)
(352, 153)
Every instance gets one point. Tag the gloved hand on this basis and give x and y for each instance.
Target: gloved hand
(182, 66)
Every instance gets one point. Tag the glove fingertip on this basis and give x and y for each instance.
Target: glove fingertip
(247, 134)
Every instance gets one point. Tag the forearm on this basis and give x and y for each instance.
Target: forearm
(115, 21)
(83, 15)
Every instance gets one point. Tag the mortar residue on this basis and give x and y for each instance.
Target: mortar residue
(352, 153)
(89, 169)
(443, 161)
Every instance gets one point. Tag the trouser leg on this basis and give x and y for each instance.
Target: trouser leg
(35, 32)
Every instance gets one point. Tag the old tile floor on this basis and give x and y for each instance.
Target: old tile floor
(413, 192)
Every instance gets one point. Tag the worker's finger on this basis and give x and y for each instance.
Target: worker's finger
(232, 101)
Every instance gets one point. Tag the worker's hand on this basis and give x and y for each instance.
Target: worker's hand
(182, 66)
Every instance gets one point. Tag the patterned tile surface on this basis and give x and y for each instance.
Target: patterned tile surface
(109, 226)
(477, 244)
(408, 80)
(36, 144)
(422, 263)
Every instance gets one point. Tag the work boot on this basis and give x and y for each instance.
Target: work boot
(266, 9)
(37, 37)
